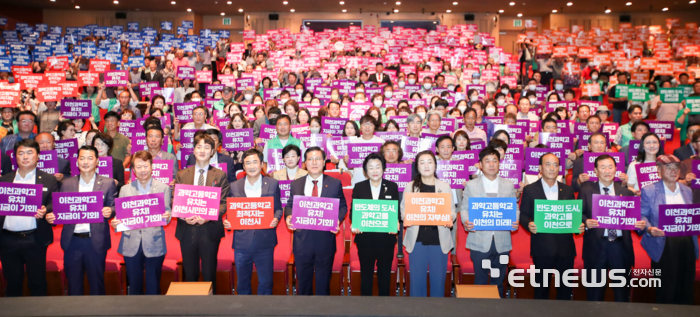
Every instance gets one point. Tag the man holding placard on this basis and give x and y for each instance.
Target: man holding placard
(154, 142)
(254, 245)
(488, 244)
(142, 209)
(548, 251)
(85, 242)
(25, 233)
(314, 250)
(673, 254)
(606, 246)
(217, 158)
(283, 125)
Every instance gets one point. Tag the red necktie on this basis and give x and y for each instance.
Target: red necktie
(314, 192)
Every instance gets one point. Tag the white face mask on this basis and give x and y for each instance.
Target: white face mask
(388, 94)
(532, 87)
(427, 86)
(451, 87)
(257, 103)
(558, 86)
(504, 91)
(248, 97)
(315, 130)
(316, 104)
(411, 81)
(474, 98)
(299, 91)
(402, 84)
(594, 77)
(500, 102)
(283, 101)
(532, 100)
(378, 103)
(195, 100)
(359, 90)
(475, 81)
(490, 111)
(462, 108)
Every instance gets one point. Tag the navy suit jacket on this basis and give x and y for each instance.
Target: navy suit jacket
(230, 174)
(64, 167)
(683, 152)
(546, 244)
(313, 241)
(258, 239)
(99, 232)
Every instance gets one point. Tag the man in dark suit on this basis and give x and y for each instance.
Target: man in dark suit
(256, 246)
(85, 245)
(218, 157)
(199, 238)
(152, 73)
(379, 77)
(46, 143)
(314, 250)
(686, 151)
(23, 240)
(548, 251)
(605, 249)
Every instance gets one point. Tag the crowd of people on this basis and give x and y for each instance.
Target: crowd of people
(450, 91)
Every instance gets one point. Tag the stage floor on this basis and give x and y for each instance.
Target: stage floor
(324, 306)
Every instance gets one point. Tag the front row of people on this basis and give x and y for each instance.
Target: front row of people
(24, 240)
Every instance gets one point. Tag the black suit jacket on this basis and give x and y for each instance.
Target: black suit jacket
(313, 241)
(157, 77)
(385, 79)
(593, 238)
(214, 230)
(44, 233)
(576, 170)
(546, 244)
(230, 174)
(64, 167)
(388, 191)
(683, 152)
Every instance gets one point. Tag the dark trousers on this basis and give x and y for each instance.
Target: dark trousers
(383, 257)
(264, 263)
(135, 266)
(80, 258)
(307, 264)
(200, 248)
(611, 257)
(481, 275)
(677, 265)
(560, 264)
(16, 253)
(546, 78)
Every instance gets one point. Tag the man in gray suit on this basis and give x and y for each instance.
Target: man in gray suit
(144, 248)
(488, 245)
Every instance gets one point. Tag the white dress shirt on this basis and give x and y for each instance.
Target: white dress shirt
(21, 223)
(291, 172)
(552, 193)
(309, 187)
(611, 192)
(84, 187)
(490, 186)
(254, 190)
(674, 197)
(196, 174)
(214, 159)
(375, 190)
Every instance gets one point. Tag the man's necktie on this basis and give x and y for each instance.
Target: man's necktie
(200, 182)
(612, 233)
(314, 192)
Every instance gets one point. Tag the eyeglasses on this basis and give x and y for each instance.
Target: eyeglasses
(315, 159)
(27, 121)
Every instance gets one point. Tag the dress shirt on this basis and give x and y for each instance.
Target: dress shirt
(215, 159)
(611, 192)
(552, 193)
(490, 186)
(254, 190)
(144, 190)
(196, 174)
(375, 190)
(674, 197)
(84, 187)
(309, 187)
(22, 223)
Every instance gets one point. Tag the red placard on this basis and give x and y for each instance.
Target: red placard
(30, 81)
(246, 213)
(648, 63)
(21, 70)
(560, 51)
(9, 98)
(591, 90)
(586, 52)
(640, 78)
(227, 80)
(57, 63)
(625, 65)
(88, 79)
(46, 93)
(203, 76)
(678, 66)
(69, 88)
(54, 77)
(99, 65)
(602, 59)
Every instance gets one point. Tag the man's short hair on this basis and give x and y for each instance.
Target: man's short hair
(253, 151)
(489, 151)
(89, 148)
(312, 149)
(141, 155)
(26, 143)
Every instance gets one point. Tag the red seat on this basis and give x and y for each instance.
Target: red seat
(344, 178)
(240, 174)
(330, 166)
(670, 146)
(625, 118)
(347, 192)
(464, 270)
(520, 255)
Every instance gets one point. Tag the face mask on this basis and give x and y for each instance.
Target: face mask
(558, 86)
(427, 86)
(594, 77)
(299, 91)
(198, 100)
(490, 111)
(475, 81)
(462, 108)
(388, 94)
(273, 121)
(316, 104)
(474, 98)
(378, 103)
(500, 102)
(451, 88)
(402, 84)
(315, 130)
(532, 100)
(334, 97)
(532, 87)
(257, 103)
(504, 91)
(411, 81)
(283, 101)
(248, 97)
(360, 90)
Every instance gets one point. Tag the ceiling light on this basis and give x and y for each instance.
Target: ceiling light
(664, 9)
(448, 11)
(342, 2)
(607, 10)
(692, 1)
(501, 11)
(222, 13)
(240, 10)
(454, 3)
(554, 11)
(292, 10)
(173, 2)
(434, 22)
(398, 3)
(189, 10)
(229, 2)
(53, 0)
(570, 4)
(391, 21)
(345, 10)
(351, 23)
(512, 3)
(285, 2)
(520, 14)
(628, 4)
(396, 10)
(116, 2)
(77, 7)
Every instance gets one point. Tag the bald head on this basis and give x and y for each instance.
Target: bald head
(46, 141)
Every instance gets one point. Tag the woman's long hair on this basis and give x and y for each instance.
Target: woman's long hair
(417, 178)
(642, 154)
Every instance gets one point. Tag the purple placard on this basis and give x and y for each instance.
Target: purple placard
(67, 149)
(116, 78)
(589, 167)
(138, 212)
(516, 133)
(616, 212)
(334, 126)
(412, 146)
(564, 141)
(647, 174)
(322, 91)
(515, 152)
(680, 220)
(664, 129)
(580, 127)
(187, 138)
(162, 171)
(311, 83)
(300, 129)
(48, 162)
(185, 72)
(211, 89)
(275, 160)
(563, 125)
(238, 140)
(285, 189)
(147, 89)
(358, 110)
(695, 184)
(448, 125)
(532, 160)
(337, 146)
(454, 173)
(183, 111)
(402, 121)
(512, 170)
(140, 144)
(20, 199)
(184, 156)
(391, 136)
(245, 83)
(610, 129)
(313, 139)
(553, 105)
(76, 109)
(428, 140)
(221, 166)
(75, 208)
(191, 200)
(468, 158)
(495, 120)
(401, 174)
(268, 131)
(315, 213)
(478, 145)
(358, 151)
(131, 129)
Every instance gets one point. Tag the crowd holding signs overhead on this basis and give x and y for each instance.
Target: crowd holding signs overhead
(439, 131)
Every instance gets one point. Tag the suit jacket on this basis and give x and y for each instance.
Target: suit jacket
(152, 239)
(576, 171)
(481, 240)
(388, 191)
(546, 244)
(593, 239)
(652, 197)
(64, 167)
(231, 173)
(258, 239)
(214, 230)
(44, 233)
(411, 233)
(118, 172)
(172, 157)
(684, 152)
(150, 77)
(281, 175)
(313, 241)
(6, 164)
(385, 79)
(99, 232)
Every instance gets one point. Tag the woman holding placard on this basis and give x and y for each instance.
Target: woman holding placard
(375, 247)
(428, 246)
(649, 149)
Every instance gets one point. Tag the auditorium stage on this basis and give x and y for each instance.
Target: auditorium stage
(324, 306)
